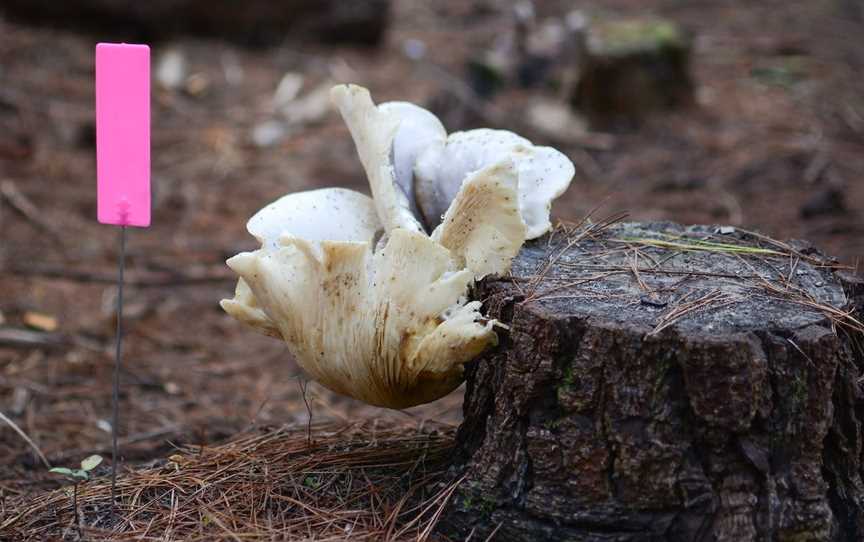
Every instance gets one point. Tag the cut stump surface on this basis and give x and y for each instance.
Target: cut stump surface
(666, 383)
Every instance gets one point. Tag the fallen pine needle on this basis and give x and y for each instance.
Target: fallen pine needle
(366, 481)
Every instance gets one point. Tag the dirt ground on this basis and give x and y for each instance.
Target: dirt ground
(775, 142)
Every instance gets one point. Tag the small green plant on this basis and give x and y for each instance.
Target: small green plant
(312, 482)
(76, 476)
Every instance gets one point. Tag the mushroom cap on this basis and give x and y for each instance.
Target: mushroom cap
(326, 214)
(390, 328)
(418, 131)
(415, 170)
(483, 227)
(544, 173)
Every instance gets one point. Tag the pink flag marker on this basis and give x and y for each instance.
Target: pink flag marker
(123, 134)
(122, 170)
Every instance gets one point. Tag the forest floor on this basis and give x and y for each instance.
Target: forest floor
(774, 142)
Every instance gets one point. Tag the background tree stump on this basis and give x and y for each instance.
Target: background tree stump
(631, 68)
(666, 383)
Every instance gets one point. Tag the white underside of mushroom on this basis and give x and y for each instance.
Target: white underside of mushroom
(391, 327)
(367, 325)
(389, 323)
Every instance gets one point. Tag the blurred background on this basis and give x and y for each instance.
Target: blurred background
(741, 113)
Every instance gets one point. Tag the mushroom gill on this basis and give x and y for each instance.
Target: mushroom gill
(389, 322)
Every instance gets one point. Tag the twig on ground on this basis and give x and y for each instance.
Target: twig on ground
(126, 441)
(26, 438)
(134, 278)
(20, 203)
(25, 338)
(303, 385)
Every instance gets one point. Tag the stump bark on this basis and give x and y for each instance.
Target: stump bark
(665, 383)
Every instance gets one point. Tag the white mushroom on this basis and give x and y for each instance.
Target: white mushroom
(389, 322)
(419, 130)
(544, 173)
(483, 228)
(391, 328)
(426, 168)
(373, 131)
(327, 214)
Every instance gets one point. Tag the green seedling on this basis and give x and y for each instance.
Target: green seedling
(76, 476)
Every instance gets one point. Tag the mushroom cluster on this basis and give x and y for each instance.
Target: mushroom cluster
(371, 294)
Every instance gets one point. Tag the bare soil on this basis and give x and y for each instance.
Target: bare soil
(774, 143)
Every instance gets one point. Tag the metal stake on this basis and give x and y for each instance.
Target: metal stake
(115, 414)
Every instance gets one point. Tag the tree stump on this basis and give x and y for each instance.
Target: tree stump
(666, 383)
(631, 68)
